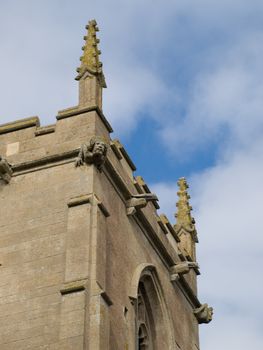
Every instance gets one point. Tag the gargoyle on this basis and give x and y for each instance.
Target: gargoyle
(93, 152)
(204, 314)
(184, 267)
(139, 201)
(5, 170)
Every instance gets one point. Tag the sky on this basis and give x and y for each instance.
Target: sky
(185, 97)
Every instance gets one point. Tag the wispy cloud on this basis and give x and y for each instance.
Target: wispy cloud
(40, 58)
(227, 203)
(225, 103)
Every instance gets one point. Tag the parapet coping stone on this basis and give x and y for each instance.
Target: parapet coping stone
(19, 124)
(66, 113)
(72, 111)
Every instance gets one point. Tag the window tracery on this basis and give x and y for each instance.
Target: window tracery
(144, 336)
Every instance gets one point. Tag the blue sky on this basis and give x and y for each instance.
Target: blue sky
(185, 96)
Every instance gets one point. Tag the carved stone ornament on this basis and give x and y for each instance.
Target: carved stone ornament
(139, 201)
(93, 152)
(90, 61)
(5, 170)
(184, 267)
(204, 314)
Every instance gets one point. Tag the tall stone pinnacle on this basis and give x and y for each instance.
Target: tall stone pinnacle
(90, 59)
(184, 219)
(90, 75)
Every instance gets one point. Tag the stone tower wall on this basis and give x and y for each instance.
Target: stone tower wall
(69, 251)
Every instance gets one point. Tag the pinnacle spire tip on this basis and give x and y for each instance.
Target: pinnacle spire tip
(183, 216)
(90, 59)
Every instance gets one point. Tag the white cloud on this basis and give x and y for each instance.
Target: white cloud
(226, 103)
(124, 107)
(232, 332)
(40, 46)
(220, 43)
(166, 193)
(227, 201)
(41, 43)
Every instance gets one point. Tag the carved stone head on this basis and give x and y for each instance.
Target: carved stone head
(98, 148)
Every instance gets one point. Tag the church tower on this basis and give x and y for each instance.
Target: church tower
(86, 261)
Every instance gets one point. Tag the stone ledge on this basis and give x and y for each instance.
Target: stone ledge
(140, 183)
(19, 124)
(161, 224)
(106, 298)
(80, 200)
(163, 248)
(88, 199)
(45, 161)
(73, 286)
(111, 172)
(187, 292)
(116, 150)
(103, 209)
(124, 153)
(169, 226)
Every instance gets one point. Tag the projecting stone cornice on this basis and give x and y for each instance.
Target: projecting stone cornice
(45, 162)
(169, 227)
(120, 152)
(142, 187)
(159, 243)
(88, 198)
(117, 181)
(188, 292)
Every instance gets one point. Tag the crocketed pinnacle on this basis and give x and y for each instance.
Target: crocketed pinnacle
(183, 215)
(90, 59)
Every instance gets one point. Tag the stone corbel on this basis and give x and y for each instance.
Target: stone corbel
(74, 286)
(204, 314)
(139, 201)
(5, 170)
(182, 268)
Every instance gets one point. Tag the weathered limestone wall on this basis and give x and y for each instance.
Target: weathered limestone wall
(129, 247)
(35, 225)
(33, 228)
(69, 251)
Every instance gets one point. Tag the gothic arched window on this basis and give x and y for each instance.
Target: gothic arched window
(151, 321)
